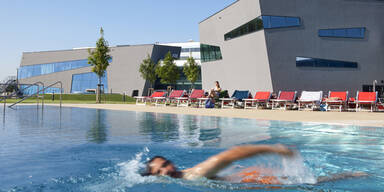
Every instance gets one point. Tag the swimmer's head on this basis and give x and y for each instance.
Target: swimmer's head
(159, 165)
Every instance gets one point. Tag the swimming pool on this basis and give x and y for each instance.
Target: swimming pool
(75, 149)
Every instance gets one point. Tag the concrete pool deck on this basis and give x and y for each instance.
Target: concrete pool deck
(375, 119)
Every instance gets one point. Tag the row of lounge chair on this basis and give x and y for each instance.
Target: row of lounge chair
(312, 100)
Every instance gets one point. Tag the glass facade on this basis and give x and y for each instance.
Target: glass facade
(252, 26)
(187, 50)
(33, 89)
(263, 22)
(270, 22)
(210, 53)
(323, 63)
(42, 69)
(83, 81)
(358, 33)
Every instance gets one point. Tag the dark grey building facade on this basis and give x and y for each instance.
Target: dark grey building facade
(72, 69)
(295, 45)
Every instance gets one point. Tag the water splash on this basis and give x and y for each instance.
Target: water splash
(129, 170)
(125, 175)
(294, 171)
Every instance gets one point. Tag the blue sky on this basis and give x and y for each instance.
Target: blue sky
(40, 25)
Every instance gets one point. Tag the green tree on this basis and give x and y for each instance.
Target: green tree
(148, 70)
(99, 60)
(167, 71)
(191, 71)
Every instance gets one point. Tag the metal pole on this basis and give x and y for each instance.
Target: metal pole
(37, 96)
(42, 101)
(61, 92)
(374, 85)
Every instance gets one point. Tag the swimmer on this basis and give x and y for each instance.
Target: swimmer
(159, 165)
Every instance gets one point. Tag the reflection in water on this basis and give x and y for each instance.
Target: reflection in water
(159, 126)
(183, 129)
(98, 132)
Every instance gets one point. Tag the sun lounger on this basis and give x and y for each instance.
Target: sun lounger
(142, 100)
(284, 99)
(310, 99)
(237, 96)
(193, 97)
(380, 104)
(261, 98)
(175, 94)
(336, 100)
(172, 98)
(366, 98)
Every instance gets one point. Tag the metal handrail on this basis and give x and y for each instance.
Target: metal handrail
(61, 91)
(38, 92)
(33, 84)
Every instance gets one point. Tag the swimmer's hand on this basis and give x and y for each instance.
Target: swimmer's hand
(283, 150)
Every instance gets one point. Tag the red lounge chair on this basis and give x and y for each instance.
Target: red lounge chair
(285, 98)
(261, 98)
(142, 100)
(366, 98)
(380, 104)
(336, 99)
(162, 101)
(175, 94)
(195, 95)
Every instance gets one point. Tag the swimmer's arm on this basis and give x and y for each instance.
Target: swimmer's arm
(340, 176)
(210, 167)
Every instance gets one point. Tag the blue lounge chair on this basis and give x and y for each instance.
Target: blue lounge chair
(237, 97)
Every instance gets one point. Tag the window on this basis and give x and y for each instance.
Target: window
(42, 69)
(83, 81)
(270, 22)
(357, 33)
(262, 22)
(210, 53)
(33, 90)
(190, 50)
(250, 27)
(313, 62)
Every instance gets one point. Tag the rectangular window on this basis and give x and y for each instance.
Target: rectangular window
(210, 53)
(271, 22)
(323, 63)
(263, 22)
(42, 69)
(357, 33)
(83, 81)
(250, 27)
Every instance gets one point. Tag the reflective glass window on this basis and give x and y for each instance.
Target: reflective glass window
(210, 53)
(33, 89)
(83, 81)
(343, 33)
(250, 27)
(261, 22)
(321, 63)
(270, 22)
(42, 69)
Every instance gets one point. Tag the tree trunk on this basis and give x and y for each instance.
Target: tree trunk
(98, 90)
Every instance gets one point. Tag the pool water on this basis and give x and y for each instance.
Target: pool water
(75, 149)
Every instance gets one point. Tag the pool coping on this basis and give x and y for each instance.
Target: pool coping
(375, 119)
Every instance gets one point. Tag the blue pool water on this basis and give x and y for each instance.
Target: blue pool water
(76, 149)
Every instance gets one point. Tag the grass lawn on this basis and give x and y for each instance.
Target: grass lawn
(79, 99)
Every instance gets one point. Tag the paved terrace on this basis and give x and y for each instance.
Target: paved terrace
(375, 119)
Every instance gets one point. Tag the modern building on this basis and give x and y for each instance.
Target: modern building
(294, 45)
(188, 49)
(72, 69)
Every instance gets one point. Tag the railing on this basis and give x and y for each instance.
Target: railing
(34, 84)
(38, 95)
